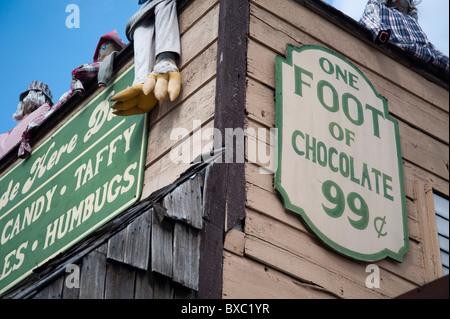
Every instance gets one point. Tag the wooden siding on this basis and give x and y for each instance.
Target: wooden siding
(275, 246)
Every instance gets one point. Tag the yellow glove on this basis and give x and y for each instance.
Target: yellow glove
(163, 84)
(164, 79)
(142, 98)
(133, 101)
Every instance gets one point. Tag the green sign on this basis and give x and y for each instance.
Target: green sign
(340, 164)
(83, 175)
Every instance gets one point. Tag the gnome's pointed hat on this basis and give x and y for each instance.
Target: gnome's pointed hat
(111, 36)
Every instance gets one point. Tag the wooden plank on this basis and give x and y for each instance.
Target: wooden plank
(414, 173)
(261, 103)
(417, 112)
(185, 118)
(176, 160)
(193, 13)
(261, 63)
(93, 273)
(424, 151)
(162, 246)
(137, 247)
(185, 202)
(144, 285)
(186, 256)
(235, 242)
(163, 288)
(116, 246)
(119, 282)
(313, 262)
(244, 278)
(345, 43)
(199, 36)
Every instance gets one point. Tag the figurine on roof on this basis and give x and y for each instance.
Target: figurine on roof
(33, 101)
(396, 21)
(155, 34)
(108, 47)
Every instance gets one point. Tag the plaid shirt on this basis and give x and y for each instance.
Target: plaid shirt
(83, 74)
(405, 33)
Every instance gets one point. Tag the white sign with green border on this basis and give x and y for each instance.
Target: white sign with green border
(80, 177)
(339, 157)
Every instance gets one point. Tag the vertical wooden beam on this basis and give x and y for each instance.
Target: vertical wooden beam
(211, 244)
(429, 236)
(225, 190)
(230, 108)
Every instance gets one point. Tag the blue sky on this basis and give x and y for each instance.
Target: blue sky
(37, 45)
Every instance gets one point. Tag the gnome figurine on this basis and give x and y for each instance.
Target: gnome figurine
(108, 47)
(155, 34)
(33, 102)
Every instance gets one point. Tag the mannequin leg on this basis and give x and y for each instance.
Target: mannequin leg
(167, 37)
(144, 50)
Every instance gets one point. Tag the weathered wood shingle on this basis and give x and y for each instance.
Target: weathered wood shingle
(185, 202)
(132, 245)
(186, 256)
(162, 246)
